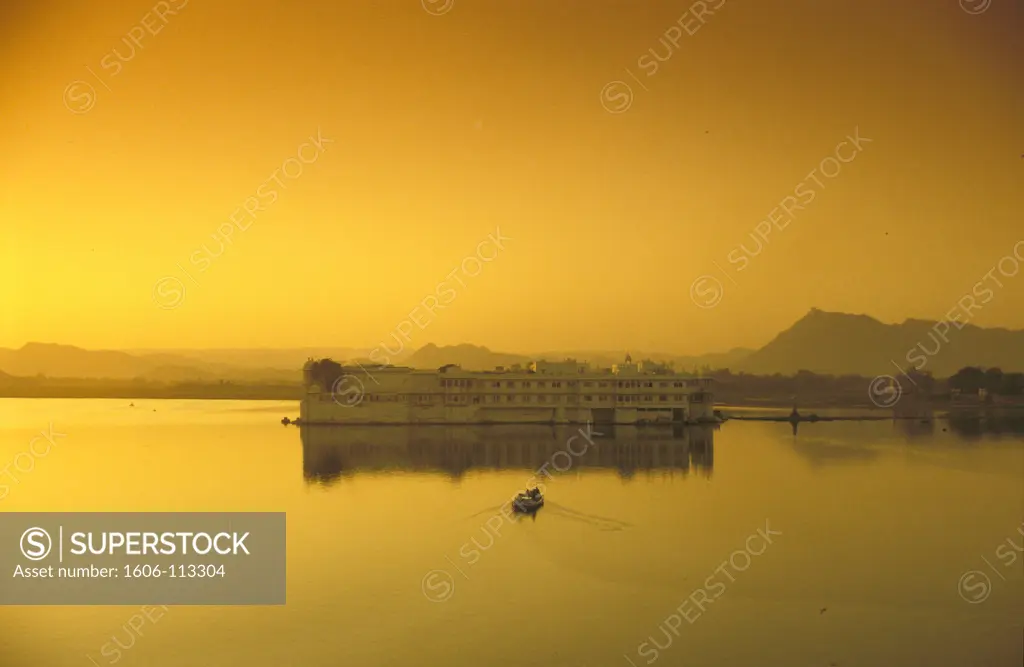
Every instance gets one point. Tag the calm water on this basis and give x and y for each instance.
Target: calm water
(647, 553)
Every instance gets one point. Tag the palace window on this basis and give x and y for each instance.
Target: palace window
(496, 384)
(526, 385)
(511, 398)
(511, 385)
(540, 399)
(588, 384)
(663, 384)
(541, 384)
(556, 385)
(663, 398)
(588, 398)
(602, 384)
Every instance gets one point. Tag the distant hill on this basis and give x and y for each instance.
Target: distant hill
(474, 357)
(843, 344)
(470, 357)
(820, 342)
(258, 358)
(67, 361)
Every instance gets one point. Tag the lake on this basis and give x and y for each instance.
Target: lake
(846, 543)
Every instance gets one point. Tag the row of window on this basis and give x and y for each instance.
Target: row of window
(528, 384)
(419, 399)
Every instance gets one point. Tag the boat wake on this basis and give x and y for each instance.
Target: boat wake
(600, 522)
(490, 510)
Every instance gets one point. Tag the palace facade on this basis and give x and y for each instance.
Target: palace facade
(567, 392)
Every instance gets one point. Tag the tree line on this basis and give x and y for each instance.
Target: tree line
(971, 379)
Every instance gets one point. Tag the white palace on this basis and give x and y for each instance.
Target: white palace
(567, 392)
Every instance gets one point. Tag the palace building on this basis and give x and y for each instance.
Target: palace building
(567, 392)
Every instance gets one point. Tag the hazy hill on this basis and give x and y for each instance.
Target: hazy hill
(473, 357)
(67, 361)
(470, 357)
(840, 344)
(259, 358)
(820, 342)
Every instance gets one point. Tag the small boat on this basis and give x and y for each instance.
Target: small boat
(528, 501)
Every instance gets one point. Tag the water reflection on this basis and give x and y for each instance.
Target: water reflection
(916, 428)
(975, 425)
(823, 444)
(329, 453)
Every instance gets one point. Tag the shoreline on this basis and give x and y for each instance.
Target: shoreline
(739, 410)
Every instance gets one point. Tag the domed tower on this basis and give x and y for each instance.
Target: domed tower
(307, 373)
(309, 379)
(309, 383)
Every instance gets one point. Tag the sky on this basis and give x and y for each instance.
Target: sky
(529, 175)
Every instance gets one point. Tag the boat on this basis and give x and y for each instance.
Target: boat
(528, 501)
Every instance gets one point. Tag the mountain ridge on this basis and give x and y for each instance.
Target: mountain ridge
(857, 344)
(823, 342)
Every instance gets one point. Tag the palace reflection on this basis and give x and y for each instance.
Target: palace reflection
(329, 453)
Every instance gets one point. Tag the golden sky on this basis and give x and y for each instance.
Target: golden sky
(443, 122)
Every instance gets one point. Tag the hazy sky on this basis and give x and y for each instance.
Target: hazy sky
(443, 124)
